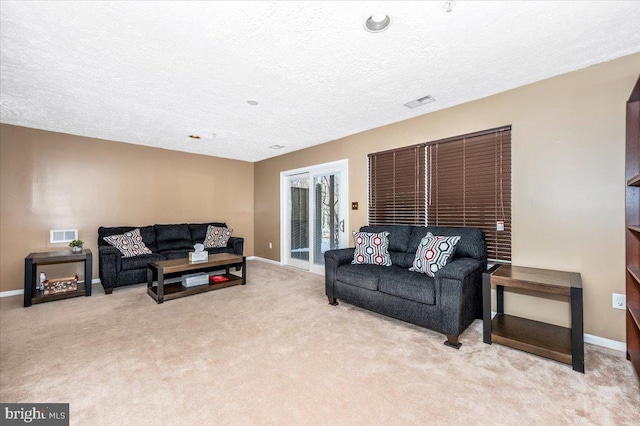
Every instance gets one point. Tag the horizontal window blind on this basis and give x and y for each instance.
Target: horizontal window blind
(469, 184)
(397, 186)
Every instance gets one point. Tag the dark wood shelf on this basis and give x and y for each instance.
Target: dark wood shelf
(176, 290)
(635, 313)
(539, 338)
(39, 297)
(634, 357)
(632, 213)
(635, 273)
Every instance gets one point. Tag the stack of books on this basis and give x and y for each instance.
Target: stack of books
(218, 278)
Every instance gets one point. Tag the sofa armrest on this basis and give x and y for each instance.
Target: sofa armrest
(333, 259)
(109, 264)
(459, 268)
(458, 288)
(237, 244)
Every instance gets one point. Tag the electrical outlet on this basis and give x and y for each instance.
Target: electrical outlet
(619, 301)
(270, 245)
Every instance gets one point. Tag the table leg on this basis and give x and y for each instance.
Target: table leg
(500, 299)
(160, 285)
(149, 276)
(486, 308)
(577, 330)
(244, 270)
(88, 274)
(28, 281)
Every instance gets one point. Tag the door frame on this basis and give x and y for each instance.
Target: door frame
(311, 171)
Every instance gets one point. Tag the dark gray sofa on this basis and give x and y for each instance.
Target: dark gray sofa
(165, 241)
(447, 303)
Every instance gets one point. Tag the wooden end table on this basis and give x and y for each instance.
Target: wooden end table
(551, 341)
(175, 267)
(31, 262)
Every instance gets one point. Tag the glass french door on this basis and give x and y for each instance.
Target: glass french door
(315, 215)
(297, 251)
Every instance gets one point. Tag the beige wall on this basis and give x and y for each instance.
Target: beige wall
(568, 180)
(57, 181)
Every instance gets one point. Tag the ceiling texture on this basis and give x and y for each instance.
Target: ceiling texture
(153, 73)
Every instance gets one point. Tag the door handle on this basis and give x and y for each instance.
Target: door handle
(342, 225)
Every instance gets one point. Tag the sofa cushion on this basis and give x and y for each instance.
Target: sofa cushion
(175, 254)
(173, 237)
(398, 235)
(217, 236)
(140, 261)
(408, 285)
(199, 230)
(371, 248)
(403, 260)
(433, 253)
(365, 276)
(130, 243)
(472, 243)
(147, 232)
(215, 250)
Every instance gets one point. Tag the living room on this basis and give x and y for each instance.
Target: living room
(277, 342)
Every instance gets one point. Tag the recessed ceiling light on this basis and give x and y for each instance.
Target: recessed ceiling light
(252, 102)
(276, 146)
(420, 101)
(194, 136)
(448, 5)
(377, 22)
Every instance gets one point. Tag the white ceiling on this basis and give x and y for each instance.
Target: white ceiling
(151, 73)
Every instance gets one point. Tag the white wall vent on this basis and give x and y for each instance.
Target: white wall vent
(63, 235)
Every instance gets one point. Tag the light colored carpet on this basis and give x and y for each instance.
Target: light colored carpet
(275, 352)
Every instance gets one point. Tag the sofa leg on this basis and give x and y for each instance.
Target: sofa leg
(108, 290)
(452, 341)
(333, 301)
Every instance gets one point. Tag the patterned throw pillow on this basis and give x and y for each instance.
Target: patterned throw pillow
(371, 248)
(433, 253)
(217, 237)
(130, 243)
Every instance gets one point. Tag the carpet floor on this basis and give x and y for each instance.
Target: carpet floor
(274, 352)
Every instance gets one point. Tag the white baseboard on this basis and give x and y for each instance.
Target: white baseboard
(21, 291)
(607, 343)
(262, 259)
(11, 293)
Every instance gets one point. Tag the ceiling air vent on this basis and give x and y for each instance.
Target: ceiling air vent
(421, 101)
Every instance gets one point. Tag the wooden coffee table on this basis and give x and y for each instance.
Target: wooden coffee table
(176, 267)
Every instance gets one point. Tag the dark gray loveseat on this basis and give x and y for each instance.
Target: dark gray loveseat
(447, 303)
(165, 241)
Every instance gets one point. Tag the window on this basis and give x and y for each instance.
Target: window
(397, 186)
(468, 183)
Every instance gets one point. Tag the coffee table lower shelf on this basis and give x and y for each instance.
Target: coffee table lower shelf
(176, 290)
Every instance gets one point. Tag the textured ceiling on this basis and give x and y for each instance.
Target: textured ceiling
(151, 73)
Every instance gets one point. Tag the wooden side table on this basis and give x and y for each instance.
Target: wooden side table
(551, 341)
(31, 262)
